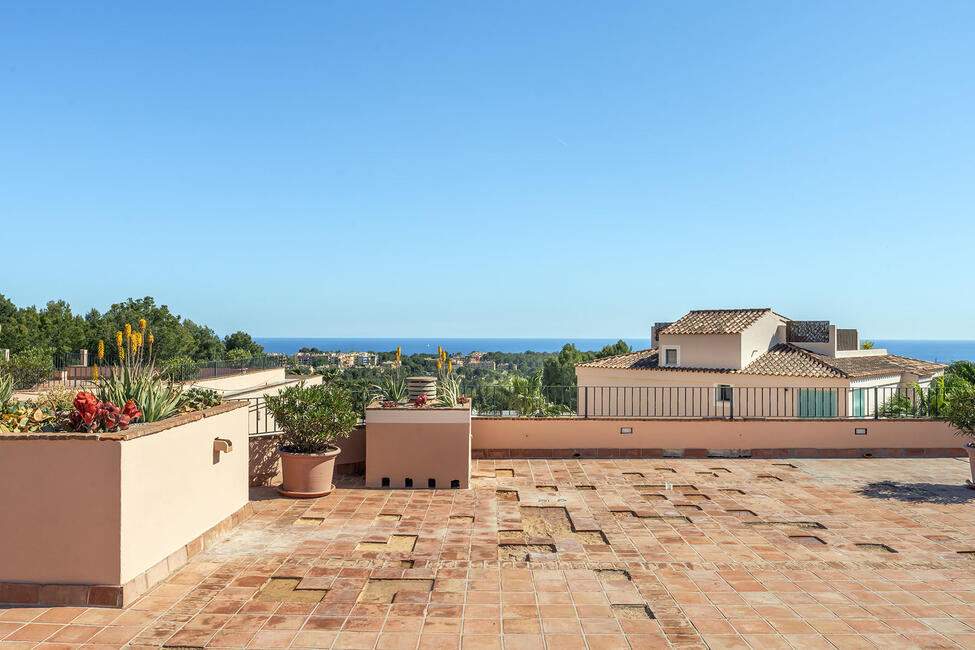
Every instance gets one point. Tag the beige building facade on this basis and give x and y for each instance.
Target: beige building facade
(749, 363)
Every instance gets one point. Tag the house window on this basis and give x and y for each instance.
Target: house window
(671, 356)
(724, 393)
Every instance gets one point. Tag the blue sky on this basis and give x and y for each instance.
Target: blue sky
(492, 169)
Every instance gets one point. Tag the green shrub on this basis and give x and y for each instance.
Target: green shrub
(312, 417)
(238, 354)
(30, 367)
(180, 369)
(960, 412)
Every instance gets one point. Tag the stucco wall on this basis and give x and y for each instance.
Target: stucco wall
(757, 339)
(59, 511)
(251, 379)
(526, 433)
(175, 487)
(276, 388)
(705, 351)
(104, 511)
(419, 444)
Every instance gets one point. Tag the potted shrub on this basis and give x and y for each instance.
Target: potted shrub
(311, 419)
(960, 413)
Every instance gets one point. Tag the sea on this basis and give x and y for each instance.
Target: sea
(939, 351)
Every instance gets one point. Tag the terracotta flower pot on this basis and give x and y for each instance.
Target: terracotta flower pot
(970, 448)
(307, 475)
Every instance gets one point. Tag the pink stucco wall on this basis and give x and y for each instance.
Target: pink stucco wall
(60, 511)
(568, 433)
(104, 511)
(419, 444)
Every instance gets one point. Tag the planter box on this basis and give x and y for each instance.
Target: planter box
(422, 447)
(98, 519)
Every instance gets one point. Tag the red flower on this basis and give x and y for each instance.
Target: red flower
(87, 406)
(421, 400)
(131, 410)
(91, 415)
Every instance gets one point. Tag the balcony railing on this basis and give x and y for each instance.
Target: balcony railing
(685, 402)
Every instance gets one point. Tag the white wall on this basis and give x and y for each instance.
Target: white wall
(175, 487)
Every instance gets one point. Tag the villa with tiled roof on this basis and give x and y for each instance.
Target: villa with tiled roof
(718, 351)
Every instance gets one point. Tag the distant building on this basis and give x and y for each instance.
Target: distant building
(752, 359)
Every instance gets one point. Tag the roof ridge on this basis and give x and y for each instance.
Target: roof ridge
(697, 311)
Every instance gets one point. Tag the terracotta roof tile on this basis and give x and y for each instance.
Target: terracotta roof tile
(783, 360)
(715, 321)
(790, 361)
(882, 364)
(641, 360)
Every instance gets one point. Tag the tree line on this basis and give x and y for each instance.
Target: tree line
(56, 330)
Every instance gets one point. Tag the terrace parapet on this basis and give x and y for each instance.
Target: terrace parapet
(99, 524)
(410, 446)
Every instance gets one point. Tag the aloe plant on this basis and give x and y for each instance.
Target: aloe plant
(157, 398)
(6, 388)
(448, 390)
(391, 388)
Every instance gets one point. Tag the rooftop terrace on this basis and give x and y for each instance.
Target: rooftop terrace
(570, 554)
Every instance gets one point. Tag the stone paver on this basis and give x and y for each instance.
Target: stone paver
(725, 553)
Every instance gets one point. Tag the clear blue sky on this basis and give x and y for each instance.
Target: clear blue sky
(492, 169)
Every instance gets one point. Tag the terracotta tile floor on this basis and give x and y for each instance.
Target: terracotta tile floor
(718, 550)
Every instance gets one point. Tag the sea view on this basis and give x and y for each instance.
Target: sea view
(939, 351)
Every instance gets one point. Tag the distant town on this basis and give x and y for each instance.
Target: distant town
(318, 359)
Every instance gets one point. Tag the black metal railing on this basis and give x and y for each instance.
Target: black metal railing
(66, 370)
(674, 402)
(728, 402)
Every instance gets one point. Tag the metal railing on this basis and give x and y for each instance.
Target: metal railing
(65, 371)
(184, 371)
(727, 402)
(676, 402)
(260, 421)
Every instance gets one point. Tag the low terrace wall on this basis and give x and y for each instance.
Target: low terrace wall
(241, 381)
(97, 519)
(608, 437)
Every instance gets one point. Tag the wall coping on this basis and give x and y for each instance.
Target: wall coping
(580, 418)
(136, 430)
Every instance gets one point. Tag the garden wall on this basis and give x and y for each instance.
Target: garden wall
(239, 382)
(561, 437)
(98, 519)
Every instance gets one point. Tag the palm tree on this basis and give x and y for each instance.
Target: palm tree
(526, 396)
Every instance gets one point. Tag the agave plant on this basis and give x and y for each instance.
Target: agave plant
(391, 388)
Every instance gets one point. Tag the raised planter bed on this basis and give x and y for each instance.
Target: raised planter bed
(97, 519)
(418, 447)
